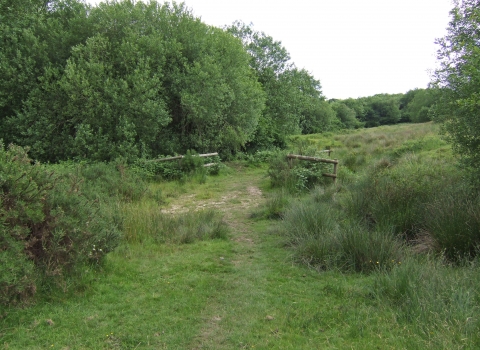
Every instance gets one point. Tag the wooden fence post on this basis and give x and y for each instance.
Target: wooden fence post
(335, 167)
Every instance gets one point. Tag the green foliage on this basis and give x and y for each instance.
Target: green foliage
(296, 175)
(416, 105)
(346, 115)
(106, 182)
(188, 166)
(381, 109)
(127, 80)
(458, 82)
(36, 36)
(294, 102)
(48, 227)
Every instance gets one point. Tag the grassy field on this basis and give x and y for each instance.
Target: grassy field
(232, 281)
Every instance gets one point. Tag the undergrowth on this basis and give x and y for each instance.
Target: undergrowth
(404, 212)
(50, 225)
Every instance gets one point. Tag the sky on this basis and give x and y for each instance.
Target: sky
(355, 48)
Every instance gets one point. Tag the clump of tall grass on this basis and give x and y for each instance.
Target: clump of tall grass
(145, 223)
(393, 195)
(452, 218)
(274, 206)
(417, 195)
(320, 238)
(441, 300)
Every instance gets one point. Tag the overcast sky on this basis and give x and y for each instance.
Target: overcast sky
(354, 47)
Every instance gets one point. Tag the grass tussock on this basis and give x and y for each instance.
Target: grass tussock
(147, 224)
(321, 240)
(404, 212)
(274, 206)
(441, 300)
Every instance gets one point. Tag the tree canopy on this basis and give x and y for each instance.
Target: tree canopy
(458, 81)
(294, 100)
(122, 79)
(127, 79)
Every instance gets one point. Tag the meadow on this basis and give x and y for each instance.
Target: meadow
(268, 254)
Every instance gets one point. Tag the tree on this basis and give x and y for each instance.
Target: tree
(381, 109)
(35, 35)
(22, 55)
(294, 101)
(346, 115)
(458, 80)
(135, 79)
(417, 109)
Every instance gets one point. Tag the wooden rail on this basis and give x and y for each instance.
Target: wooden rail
(180, 157)
(326, 151)
(323, 160)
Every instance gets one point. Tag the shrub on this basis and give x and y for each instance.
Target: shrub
(47, 227)
(190, 165)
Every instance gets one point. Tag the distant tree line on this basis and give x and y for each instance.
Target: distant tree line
(128, 79)
(415, 106)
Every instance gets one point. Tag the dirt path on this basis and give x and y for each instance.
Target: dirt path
(223, 314)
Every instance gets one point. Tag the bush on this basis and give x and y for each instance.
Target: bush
(47, 226)
(104, 181)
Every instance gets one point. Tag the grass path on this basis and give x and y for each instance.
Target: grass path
(240, 293)
(266, 301)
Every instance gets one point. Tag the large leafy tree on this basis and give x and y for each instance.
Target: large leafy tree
(126, 79)
(346, 115)
(415, 105)
(458, 80)
(22, 54)
(35, 35)
(294, 101)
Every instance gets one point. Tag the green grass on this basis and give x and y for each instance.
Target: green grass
(248, 291)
